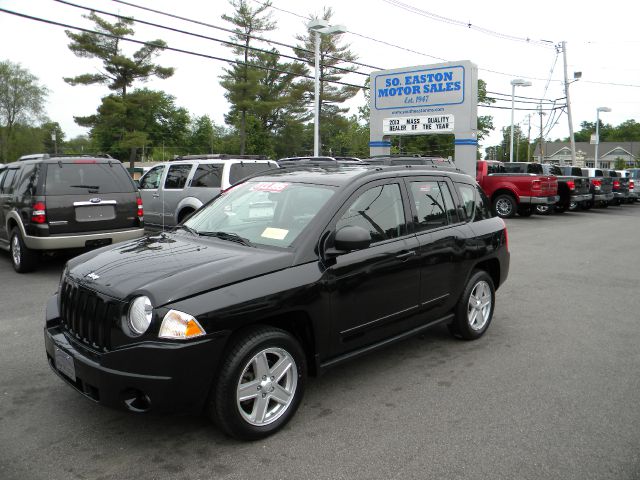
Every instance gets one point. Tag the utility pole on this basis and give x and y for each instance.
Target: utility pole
(541, 156)
(566, 92)
(529, 137)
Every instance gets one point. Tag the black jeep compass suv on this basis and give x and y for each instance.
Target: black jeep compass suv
(285, 274)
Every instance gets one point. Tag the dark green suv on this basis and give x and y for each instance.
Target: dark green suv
(50, 204)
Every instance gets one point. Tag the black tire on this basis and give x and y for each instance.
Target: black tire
(525, 211)
(23, 259)
(560, 209)
(587, 205)
(604, 204)
(463, 325)
(573, 206)
(260, 346)
(544, 209)
(505, 206)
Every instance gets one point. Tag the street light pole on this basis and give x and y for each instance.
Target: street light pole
(598, 110)
(319, 27)
(516, 82)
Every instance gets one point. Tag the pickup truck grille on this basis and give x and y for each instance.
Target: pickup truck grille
(87, 316)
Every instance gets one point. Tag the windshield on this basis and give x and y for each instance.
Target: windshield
(261, 213)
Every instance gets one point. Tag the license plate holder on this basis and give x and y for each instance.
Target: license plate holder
(65, 364)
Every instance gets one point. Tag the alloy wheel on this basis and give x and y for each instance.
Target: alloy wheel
(479, 306)
(267, 386)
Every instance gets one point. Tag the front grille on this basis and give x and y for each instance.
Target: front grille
(88, 316)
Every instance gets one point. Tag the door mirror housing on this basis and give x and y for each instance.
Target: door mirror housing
(352, 237)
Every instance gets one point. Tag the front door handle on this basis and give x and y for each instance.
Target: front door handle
(156, 195)
(406, 255)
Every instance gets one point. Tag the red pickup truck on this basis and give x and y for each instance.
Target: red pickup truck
(515, 192)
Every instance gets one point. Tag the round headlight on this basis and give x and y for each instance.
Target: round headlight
(140, 314)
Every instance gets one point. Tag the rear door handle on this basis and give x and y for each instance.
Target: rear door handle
(406, 255)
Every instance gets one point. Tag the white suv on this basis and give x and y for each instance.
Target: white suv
(173, 190)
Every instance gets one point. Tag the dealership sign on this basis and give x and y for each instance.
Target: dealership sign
(426, 100)
(417, 125)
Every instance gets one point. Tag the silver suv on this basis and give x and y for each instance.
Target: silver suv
(172, 191)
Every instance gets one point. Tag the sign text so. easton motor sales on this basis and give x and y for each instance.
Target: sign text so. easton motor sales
(420, 88)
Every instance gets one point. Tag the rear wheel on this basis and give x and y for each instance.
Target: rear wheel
(474, 311)
(22, 258)
(505, 206)
(260, 384)
(184, 213)
(573, 206)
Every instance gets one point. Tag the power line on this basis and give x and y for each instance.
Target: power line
(176, 30)
(468, 25)
(179, 50)
(256, 37)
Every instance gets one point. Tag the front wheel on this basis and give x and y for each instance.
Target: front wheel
(260, 384)
(474, 311)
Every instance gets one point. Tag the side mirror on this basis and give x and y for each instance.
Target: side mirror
(352, 238)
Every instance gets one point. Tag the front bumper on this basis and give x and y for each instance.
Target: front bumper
(540, 200)
(59, 242)
(149, 376)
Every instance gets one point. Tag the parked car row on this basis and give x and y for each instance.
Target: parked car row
(516, 187)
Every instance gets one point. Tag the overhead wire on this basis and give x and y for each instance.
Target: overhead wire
(174, 49)
(185, 32)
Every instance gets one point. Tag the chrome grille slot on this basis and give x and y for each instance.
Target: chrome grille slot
(87, 315)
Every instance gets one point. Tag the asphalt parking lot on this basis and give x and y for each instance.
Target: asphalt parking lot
(552, 391)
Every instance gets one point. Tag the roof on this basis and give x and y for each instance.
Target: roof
(553, 148)
(339, 176)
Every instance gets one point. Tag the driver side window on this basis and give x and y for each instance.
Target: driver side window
(151, 180)
(378, 210)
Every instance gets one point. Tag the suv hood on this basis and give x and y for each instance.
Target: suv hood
(167, 267)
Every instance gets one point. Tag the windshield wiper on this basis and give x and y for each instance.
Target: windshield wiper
(233, 237)
(188, 229)
(90, 187)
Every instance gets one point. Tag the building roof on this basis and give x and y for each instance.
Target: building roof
(553, 148)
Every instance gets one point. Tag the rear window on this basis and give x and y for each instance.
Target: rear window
(73, 178)
(208, 176)
(239, 171)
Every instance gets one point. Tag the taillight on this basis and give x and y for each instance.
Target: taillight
(537, 185)
(39, 213)
(616, 184)
(597, 184)
(140, 209)
(571, 184)
(632, 185)
(506, 235)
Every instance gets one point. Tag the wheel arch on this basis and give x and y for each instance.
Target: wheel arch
(492, 267)
(191, 203)
(505, 191)
(297, 323)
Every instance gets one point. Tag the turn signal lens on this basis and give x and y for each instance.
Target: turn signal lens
(179, 325)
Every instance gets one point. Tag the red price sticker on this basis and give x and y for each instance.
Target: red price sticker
(273, 187)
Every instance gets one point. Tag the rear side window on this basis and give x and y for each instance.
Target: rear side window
(434, 204)
(238, 171)
(7, 182)
(26, 186)
(74, 178)
(576, 172)
(177, 176)
(475, 202)
(208, 176)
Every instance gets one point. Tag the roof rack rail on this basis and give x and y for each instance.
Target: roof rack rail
(219, 156)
